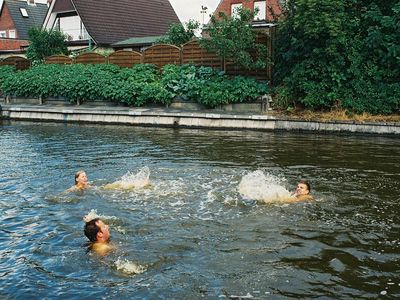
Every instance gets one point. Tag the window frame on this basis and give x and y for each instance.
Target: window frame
(262, 13)
(235, 6)
(14, 33)
(24, 12)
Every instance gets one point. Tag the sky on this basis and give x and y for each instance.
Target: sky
(190, 9)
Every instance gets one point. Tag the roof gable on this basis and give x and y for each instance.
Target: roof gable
(63, 6)
(109, 22)
(36, 15)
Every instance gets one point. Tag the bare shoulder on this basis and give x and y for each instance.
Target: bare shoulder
(102, 248)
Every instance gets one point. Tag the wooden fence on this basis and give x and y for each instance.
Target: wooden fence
(18, 62)
(159, 55)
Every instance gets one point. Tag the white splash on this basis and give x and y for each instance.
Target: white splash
(131, 180)
(91, 216)
(129, 267)
(262, 187)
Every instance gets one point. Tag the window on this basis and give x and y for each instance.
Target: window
(72, 26)
(24, 13)
(11, 34)
(261, 6)
(3, 34)
(234, 9)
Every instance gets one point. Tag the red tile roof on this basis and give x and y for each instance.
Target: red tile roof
(108, 21)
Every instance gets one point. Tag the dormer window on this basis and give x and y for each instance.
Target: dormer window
(24, 13)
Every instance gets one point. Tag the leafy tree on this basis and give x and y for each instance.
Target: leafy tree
(339, 52)
(43, 43)
(179, 33)
(234, 39)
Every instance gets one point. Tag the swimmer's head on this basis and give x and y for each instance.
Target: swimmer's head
(303, 187)
(81, 178)
(96, 231)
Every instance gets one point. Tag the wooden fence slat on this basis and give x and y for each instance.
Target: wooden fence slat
(18, 62)
(125, 58)
(193, 53)
(90, 58)
(58, 60)
(161, 55)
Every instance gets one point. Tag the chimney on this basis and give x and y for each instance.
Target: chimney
(31, 2)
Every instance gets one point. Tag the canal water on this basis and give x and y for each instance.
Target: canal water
(193, 233)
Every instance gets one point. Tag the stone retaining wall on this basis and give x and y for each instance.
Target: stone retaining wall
(260, 106)
(173, 118)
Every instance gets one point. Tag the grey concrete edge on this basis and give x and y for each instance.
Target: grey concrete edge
(166, 118)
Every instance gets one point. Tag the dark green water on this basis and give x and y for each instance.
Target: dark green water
(197, 237)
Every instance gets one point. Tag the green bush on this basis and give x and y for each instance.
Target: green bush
(336, 52)
(6, 71)
(137, 86)
(44, 43)
(209, 86)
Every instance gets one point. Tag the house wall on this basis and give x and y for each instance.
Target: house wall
(225, 7)
(9, 45)
(6, 22)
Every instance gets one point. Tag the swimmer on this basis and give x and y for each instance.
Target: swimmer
(302, 192)
(99, 235)
(81, 182)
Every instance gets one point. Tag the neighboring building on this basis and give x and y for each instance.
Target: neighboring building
(267, 9)
(137, 44)
(104, 22)
(16, 17)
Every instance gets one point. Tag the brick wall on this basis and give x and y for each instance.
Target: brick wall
(6, 22)
(225, 7)
(12, 44)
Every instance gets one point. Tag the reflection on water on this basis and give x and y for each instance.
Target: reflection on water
(193, 232)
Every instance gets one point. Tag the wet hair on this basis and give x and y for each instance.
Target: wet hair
(303, 181)
(77, 175)
(91, 229)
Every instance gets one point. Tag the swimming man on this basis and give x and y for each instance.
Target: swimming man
(98, 233)
(302, 192)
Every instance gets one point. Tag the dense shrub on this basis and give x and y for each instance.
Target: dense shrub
(44, 43)
(337, 52)
(6, 71)
(38, 81)
(139, 85)
(210, 87)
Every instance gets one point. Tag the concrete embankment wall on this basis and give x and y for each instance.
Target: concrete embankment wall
(176, 118)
